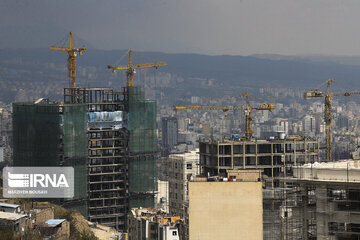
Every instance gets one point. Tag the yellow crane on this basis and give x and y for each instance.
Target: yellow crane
(248, 113)
(327, 95)
(131, 68)
(72, 53)
(247, 108)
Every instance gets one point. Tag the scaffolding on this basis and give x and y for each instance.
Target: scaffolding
(52, 134)
(276, 157)
(142, 149)
(318, 207)
(122, 149)
(107, 148)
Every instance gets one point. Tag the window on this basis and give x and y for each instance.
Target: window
(188, 166)
(174, 233)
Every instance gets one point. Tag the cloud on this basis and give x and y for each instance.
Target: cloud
(201, 26)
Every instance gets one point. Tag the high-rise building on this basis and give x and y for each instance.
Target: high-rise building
(122, 151)
(52, 134)
(169, 132)
(309, 125)
(110, 139)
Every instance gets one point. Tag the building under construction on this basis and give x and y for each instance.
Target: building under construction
(275, 157)
(108, 137)
(323, 202)
(122, 151)
(53, 134)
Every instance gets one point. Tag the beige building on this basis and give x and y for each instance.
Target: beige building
(223, 209)
(182, 168)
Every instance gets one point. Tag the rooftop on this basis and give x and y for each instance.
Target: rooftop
(11, 216)
(54, 222)
(339, 171)
(192, 154)
(341, 164)
(9, 205)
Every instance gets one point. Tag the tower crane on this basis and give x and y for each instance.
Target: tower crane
(72, 53)
(131, 68)
(327, 95)
(248, 113)
(247, 108)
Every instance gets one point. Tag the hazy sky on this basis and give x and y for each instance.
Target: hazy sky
(236, 27)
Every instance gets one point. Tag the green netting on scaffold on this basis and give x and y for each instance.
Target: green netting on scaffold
(36, 134)
(142, 173)
(76, 145)
(142, 148)
(141, 122)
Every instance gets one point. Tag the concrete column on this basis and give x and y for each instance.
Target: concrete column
(232, 155)
(272, 165)
(256, 154)
(244, 158)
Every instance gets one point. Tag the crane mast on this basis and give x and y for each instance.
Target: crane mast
(327, 115)
(72, 53)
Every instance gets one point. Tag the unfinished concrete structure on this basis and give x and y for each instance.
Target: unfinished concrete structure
(324, 202)
(107, 154)
(121, 150)
(274, 156)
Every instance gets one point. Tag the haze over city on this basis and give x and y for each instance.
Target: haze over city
(179, 119)
(234, 27)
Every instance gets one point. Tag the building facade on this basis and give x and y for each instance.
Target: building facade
(218, 209)
(53, 134)
(182, 168)
(169, 132)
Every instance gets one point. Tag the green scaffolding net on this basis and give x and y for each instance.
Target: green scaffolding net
(75, 150)
(141, 122)
(48, 134)
(142, 148)
(36, 134)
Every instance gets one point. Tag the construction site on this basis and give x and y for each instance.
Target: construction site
(280, 158)
(109, 136)
(274, 157)
(323, 202)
